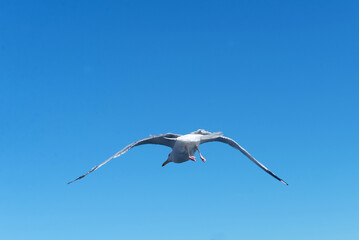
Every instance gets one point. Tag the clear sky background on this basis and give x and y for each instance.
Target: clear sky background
(82, 79)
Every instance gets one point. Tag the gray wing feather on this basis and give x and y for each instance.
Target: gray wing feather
(208, 137)
(235, 145)
(168, 140)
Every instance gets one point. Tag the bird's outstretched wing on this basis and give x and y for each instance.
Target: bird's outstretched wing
(232, 143)
(168, 140)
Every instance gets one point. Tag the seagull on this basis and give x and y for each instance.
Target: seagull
(184, 147)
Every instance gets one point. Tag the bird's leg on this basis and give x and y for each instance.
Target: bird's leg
(193, 158)
(200, 155)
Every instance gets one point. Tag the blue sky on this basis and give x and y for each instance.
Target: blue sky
(82, 79)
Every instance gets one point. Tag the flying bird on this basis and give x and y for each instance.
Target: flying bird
(184, 147)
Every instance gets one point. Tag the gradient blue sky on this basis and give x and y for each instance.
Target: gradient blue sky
(82, 79)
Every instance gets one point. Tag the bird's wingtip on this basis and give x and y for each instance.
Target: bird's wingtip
(72, 181)
(284, 182)
(77, 179)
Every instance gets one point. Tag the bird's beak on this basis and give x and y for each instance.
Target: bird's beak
(165, 163)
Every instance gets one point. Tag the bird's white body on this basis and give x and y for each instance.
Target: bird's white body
(184, 147)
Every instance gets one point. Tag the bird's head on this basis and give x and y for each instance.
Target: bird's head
(169, 159)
